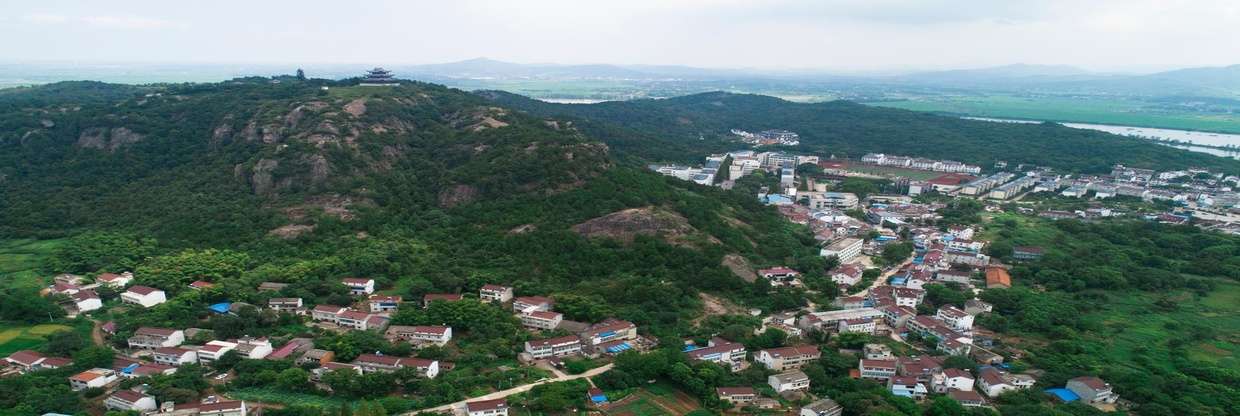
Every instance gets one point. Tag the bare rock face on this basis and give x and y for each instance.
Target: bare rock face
(627, 224)
(93, 138)
(457, 195)
(47, 124)
(319, 169)
(103, 138)
(356, 107)
(291, 231)
(261, 176)
(221, 132)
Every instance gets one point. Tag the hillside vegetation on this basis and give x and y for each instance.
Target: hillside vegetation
(847, 129)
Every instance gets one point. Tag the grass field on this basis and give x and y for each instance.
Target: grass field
(657, 399)
(15, 338)
(285, 398)
(20, 260)
(1088, 110)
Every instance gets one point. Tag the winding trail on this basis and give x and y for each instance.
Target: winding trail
(452, 407)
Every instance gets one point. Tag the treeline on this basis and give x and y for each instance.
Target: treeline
(847, 129)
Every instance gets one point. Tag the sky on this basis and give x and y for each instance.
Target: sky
(838, 35)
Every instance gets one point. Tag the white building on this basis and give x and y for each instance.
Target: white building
(553, 347)
(497, 407)
(214, 350)
(92, 378)
(541, 319)
(495, 293)
(845, 249)
(113, 280)
(429, 334)
(359, 286)
(152, 338)
(788, 381)
(174, 356)
(126, 400)
(144, 296)
(86, 300)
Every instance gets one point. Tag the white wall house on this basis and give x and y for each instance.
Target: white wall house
(144, 296)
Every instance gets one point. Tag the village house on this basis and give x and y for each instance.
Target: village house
(253, 348)
(527, 304)
(63, 289)
(1027, 253)
(213, 350)
(897, 317)
(609, 330)
(383, 303)
(787, 358)
(737, 396)
(92, 378)
(143, 296)
(361, 321)
(967, 398)
(830, 320)
(955, 318)
(382, 363)
(847, 274)
(905, 386)
(292, 348)
(151, 338)
(877, 352)
(877, 369)
(27, 360)
(223, 408)
(857, 325)
(271, 286)
(359, 286)
(1092, 390)
(780, 276)
(952, 379)
(992, 382)
(954, 276)
(201, 284)
(787, 381)
(850, 302)
(976, 307)
(290, 305)
(419, 335)
(726, 353)
(174, 356)
(495, 293)
(317, 356)
(822, 407)
(129, 400)
(497, 407)
(86, 300)
(116, 281)
(553, 347)
(845, 249)
(428, 298)
(967, 258)
(903, 296)
(541, 319)
(997, 277)
(327, 313)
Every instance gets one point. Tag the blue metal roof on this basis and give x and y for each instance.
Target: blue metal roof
(600, 398)
(1064, 395)
(619, 348)
(221, 307)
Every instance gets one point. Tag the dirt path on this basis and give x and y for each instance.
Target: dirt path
(452, 407)
(96, 333)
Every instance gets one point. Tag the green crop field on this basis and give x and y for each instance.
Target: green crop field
(15, 338)
(1083, 110)
(20, 261)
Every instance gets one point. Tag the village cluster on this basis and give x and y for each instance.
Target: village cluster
(851, 229)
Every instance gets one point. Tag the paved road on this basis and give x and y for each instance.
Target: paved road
(519, 389)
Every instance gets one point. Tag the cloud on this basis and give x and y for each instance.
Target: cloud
(128, 22)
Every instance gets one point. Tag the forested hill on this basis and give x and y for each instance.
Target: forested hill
(231, 161)
(424, 188)
(849, 129)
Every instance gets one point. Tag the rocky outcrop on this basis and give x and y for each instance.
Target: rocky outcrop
(627, 224)
(103, 138)
(261, 176)
(457, 195)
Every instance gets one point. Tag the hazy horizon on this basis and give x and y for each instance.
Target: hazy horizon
(843, 36)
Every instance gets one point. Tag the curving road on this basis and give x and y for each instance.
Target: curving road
(505, 393)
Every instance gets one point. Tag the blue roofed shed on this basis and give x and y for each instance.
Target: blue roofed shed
(1063, 395)
(221, 307)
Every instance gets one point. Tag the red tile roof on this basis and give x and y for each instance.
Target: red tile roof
(142, 290)
(484, 405)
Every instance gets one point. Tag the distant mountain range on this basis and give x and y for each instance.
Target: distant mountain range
(1207, 81)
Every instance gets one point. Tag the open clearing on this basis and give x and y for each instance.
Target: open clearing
(15, 338)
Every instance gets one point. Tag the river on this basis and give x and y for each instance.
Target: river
(1192, 138)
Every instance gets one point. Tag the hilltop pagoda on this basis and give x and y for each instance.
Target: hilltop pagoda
(379, 77)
